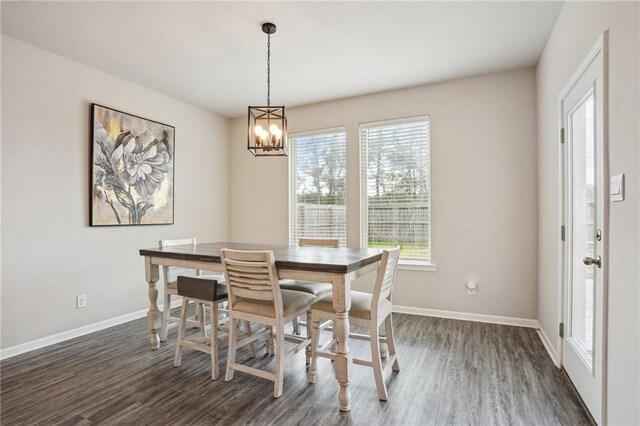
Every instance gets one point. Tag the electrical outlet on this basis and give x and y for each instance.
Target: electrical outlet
(81, 301)
(471, 287)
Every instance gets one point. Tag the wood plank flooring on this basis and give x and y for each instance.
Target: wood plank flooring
(453, 372)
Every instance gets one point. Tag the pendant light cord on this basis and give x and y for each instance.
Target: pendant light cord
(268, 69)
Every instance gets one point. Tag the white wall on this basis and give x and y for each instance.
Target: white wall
(484, 198)
(578, 27)
(50, 254)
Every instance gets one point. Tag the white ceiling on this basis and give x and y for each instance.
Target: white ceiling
(213, 54)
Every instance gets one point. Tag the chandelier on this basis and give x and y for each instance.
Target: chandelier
(267, 132)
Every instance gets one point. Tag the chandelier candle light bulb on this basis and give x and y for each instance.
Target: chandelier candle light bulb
(276, 134)
(259, 132)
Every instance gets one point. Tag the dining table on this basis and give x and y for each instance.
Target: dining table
(337, 266)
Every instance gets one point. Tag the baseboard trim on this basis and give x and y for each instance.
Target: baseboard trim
(101, 325)
(549, 347)
(76, 332)
(465, 316)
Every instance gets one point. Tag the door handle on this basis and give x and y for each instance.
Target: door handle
(593, 261)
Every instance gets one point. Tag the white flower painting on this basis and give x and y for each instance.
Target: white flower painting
(132, 169)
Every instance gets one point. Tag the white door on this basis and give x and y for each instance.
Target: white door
(583, 121)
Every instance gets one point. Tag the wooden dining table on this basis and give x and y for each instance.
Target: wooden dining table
(338, 266)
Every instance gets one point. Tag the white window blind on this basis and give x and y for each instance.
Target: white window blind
(317, 186)
(395, 186)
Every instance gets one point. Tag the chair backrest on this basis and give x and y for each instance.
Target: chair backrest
(180, 242)
(386, 276)
(252, 275)
(318, 242)
(169, 270)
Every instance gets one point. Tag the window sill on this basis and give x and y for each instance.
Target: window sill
(416, 265)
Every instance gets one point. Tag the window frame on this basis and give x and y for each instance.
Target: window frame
(404, 263)
(292, 176)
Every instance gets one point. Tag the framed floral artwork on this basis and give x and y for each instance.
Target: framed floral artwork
(132, 167)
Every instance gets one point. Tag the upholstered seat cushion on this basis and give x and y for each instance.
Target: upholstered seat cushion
(201, 288)
(292, 302)
(172, 287)
(360, 305)
(317, 289)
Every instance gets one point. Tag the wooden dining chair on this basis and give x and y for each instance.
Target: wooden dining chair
(317, 289)
(203, 292)
(255, 295)
(170, 286)
(319, 242)
(368, 311)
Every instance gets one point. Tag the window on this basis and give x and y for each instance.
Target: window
(395, 186)
(317, 185)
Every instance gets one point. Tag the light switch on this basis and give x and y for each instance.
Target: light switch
(616, 188)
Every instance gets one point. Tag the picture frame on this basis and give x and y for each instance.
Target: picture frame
(132, 169)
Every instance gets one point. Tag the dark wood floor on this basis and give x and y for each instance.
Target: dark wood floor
(453, 372)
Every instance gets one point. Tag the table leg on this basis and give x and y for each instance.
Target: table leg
(154, 321)
(343, 361)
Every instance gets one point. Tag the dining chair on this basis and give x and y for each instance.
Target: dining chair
(317, 289)
(368, 311)
(169, 284)
(255, 295)
(203, 292)
(319, 242)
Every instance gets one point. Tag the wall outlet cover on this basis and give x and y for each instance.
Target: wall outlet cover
(81, 301)
(471, 287)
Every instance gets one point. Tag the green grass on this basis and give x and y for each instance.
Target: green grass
(411, 251)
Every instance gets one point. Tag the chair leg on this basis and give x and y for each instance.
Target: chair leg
(201, 319)
(166, 311)
(334, 338)
(252, 346)
(307, 350)
(391, 341)
(195, 317)
(296, 326)
(384, 347)
(177, 360)
(165, 316)
(231, 353)
(268, 340)
(215, 369)
(279, 373)
(376, 362)
(315, 337)
(272, 344)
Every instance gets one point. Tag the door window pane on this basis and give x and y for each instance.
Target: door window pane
(583, 241)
